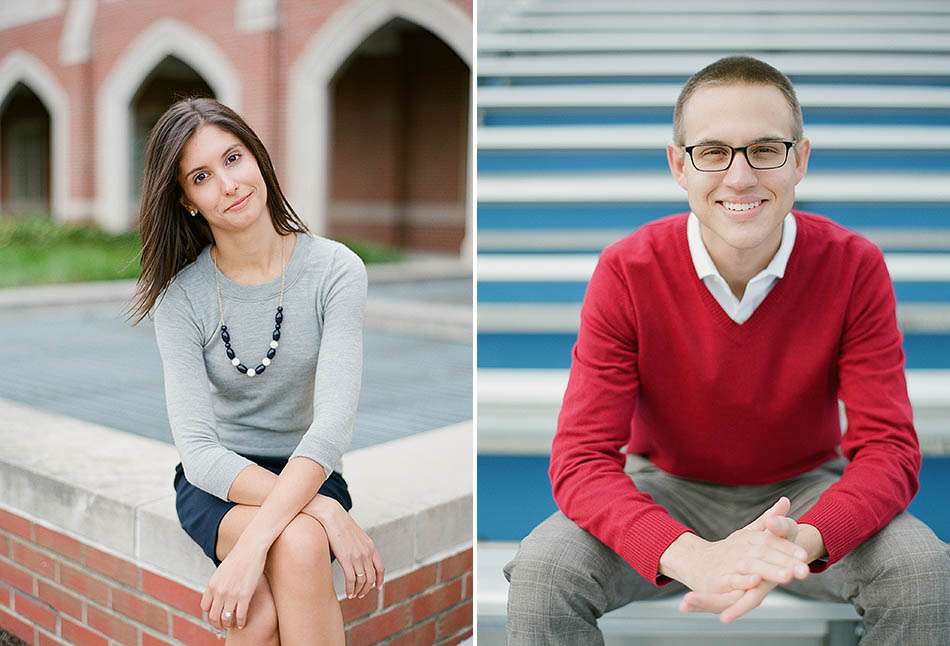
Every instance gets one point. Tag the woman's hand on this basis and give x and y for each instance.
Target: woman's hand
(354, 549)
(232, 585)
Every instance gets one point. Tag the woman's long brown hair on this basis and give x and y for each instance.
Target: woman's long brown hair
(171, 237)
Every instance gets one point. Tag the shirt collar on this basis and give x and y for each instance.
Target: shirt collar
(703, 262)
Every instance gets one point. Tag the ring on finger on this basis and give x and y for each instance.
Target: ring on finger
(363, 574)
(226, 615)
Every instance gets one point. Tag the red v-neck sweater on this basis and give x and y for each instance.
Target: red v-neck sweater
(660, 367)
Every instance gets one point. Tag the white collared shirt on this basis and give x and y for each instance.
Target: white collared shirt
(760, 285)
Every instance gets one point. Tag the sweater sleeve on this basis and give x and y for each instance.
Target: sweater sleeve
(207, 464)
(341, 304)
(587, 466)
(880, 441)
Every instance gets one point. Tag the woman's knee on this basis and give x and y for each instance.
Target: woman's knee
(302, 545)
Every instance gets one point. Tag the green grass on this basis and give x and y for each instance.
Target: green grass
(39, 251)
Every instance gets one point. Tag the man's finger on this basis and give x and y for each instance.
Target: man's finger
(748, 601)
(744, 581)
(710, 601)
(779, 544)
(780, 508)
(782, 526)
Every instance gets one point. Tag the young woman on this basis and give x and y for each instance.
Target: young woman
(254, 316)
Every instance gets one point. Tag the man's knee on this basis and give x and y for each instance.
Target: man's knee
(909, 565)
(557, 563)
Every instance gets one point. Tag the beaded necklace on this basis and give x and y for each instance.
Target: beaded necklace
(278, 319)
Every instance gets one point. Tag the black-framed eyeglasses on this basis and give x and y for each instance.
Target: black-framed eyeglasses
(762, 155)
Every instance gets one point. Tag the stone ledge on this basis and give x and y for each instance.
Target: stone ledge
(413, 495)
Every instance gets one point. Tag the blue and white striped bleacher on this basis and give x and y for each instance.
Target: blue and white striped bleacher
(574, 113)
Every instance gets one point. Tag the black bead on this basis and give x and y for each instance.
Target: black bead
(279, 318)
(225, 336)
(259, 369)
(271, 353)
(280, 308)
(227, 345)
(277, 327)
(276, 335)
(242, 368)
(224, 328)
(230, 352)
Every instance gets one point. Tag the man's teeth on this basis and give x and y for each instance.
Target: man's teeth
(741, 206)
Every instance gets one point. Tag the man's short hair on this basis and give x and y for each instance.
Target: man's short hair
(737, 70)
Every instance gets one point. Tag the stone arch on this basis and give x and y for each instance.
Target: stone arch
(309, 94)
(162, 39)
(22, 67)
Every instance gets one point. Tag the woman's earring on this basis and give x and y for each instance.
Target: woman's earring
(193, 212)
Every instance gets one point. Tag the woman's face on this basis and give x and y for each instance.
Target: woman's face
(220, 178)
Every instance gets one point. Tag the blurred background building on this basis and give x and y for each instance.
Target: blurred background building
(363, 105)
(575, 104)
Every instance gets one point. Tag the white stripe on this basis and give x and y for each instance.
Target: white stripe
(629, 187)
(649, 137)
(578, 268)
(761, 22)
(735, 6)
(685, 63)
(664, 95)
(504, 386)
(726, 42)
(564, 318)
(588, 239)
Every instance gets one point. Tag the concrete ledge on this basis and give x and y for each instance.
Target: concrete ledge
(781, 615)
(114, 490)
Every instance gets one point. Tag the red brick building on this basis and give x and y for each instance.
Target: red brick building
(364, 105)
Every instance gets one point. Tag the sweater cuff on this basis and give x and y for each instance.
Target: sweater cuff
(838, 529)
(320, 452)
(645, 540)
(222, 474)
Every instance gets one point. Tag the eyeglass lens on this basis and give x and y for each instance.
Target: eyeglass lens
(760, 156)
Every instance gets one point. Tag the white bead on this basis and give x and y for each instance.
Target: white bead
(235, 361)
(250, 372)
(265, 361)
(274, 344)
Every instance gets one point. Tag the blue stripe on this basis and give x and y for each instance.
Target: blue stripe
(933, 80)
(664, 115)
(579, 161)
(628, 217)
(514, 496)
(573, 292)
(553, 351)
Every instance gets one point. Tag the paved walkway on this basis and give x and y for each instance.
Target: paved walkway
(85, 361)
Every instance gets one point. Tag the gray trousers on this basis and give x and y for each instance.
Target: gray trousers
(563, 579)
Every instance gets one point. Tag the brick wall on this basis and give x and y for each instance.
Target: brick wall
(55, 589)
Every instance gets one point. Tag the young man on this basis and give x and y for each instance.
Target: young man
(714, 346)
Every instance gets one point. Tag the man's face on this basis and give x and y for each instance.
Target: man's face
(737, 115)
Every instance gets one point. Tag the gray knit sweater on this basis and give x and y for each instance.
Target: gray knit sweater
(215, 412)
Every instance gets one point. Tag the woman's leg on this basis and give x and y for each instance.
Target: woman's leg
(298, 567)
(261, 627)
(300, 578)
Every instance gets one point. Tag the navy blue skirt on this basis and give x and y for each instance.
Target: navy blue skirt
(200, 513)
